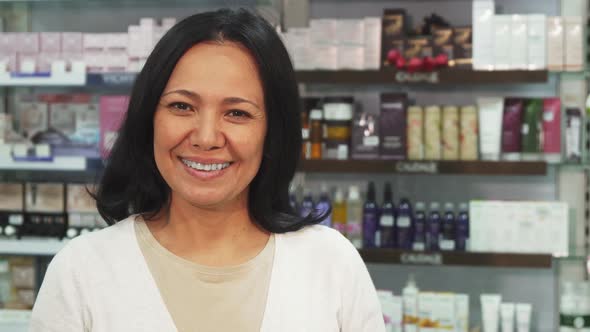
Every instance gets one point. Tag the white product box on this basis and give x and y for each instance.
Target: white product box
(71, 42)
(45, 60)
(50, 42)
(27, 42)
(117, 41)
(7, 43)
(94, 41)
(27, 63)
(159, 32)
(351, 57)
(146, 28)
(115, 61)
(426, 303)
(372, 43)
(555, 43)
(168, 22)
(483, 34)
(392, 310)
(518, 42)
(9, 61)
(350, 32)
(95, 62)
(537, 42)
(297, 41)
(325, 57)
(323, 31)
(502, 47)
(574, 43)
(443, 314)
(135, 46)
(522, 227)
(462, 312)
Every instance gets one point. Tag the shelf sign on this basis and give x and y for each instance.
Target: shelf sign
(429, 167)
(421, 258)
(405, 77)
(112, 79)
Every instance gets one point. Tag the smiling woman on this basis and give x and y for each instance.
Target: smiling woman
(202, 235)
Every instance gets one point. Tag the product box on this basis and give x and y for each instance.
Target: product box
(555, 44)
(490, 113)
(443, 42)
(511, 128)
(443, 312)
(33, 117)
(323, 31)
(298, 43)
(426, 308)
(93, 42)
(462, 312)
(350, 32)
(519, 227)
(81, 209)
(372, 48)
(552, 129)
(392, 126)
(71, 42)
(326, 57)
(365, 136)
(45, 210)
(462, 46)
(350, 57)
(112, 113)
(502, 39)
(415, 132)
(135, 48)
(26, 42)
(392, 310)
(537, 42)
(468, 138)
(50, 42)
(573, 134)
(117, 41)
(44, 61)
(450, 133)
(574, 43)
(27, 63)
(11, 208)
(432, 133)
(518, 42)
(393, 32)
(22, 283)
(483, 35)
(531, 129)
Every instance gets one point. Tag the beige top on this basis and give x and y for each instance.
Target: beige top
(204, 298)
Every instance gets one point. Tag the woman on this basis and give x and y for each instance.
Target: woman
(196, 190)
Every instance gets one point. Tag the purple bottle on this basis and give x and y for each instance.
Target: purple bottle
(324, 205)
(419, 241)
(404, 225)
(462, 229)
(433, 228)
(387, 219)
(371, 236)
(447, 241)
(307, 204)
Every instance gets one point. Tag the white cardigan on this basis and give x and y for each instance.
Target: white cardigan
(100, 282)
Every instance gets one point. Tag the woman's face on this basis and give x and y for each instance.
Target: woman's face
(210, 125)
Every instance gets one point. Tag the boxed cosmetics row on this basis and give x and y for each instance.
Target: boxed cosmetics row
(497, 128)
(533, 41)
(416, 311)
(50, 210)
(574, 307)
(332, 44)
(370, 225)
(17, 283)
(48, 125)
(35, 52)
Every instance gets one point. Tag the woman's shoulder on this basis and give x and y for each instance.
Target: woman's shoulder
(320, 243)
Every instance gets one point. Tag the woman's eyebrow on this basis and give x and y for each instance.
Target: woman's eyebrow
(227, 101)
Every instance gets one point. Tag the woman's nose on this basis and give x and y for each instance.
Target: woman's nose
(207, 134)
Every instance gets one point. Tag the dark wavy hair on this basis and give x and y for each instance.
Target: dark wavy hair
(131, 182)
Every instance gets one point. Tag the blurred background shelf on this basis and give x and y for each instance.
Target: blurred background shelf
(425, 167)
(14, 320)
(31, 247)
(446, 76)
(91, 173)
(395, 256)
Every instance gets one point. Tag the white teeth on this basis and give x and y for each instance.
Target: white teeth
(205, 167)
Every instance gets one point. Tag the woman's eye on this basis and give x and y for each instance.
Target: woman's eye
(238, 114)
(180, 106)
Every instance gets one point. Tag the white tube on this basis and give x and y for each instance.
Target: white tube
(490, 127)
(490, 311)
(523, 317)
(507, 317)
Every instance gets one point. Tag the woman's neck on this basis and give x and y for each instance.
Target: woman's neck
(209, 236)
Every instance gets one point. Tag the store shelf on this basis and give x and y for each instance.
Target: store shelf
(445, 76)
(394, 256)
(111, 80)
(31, 247)
(91, 172)
(425, 167)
